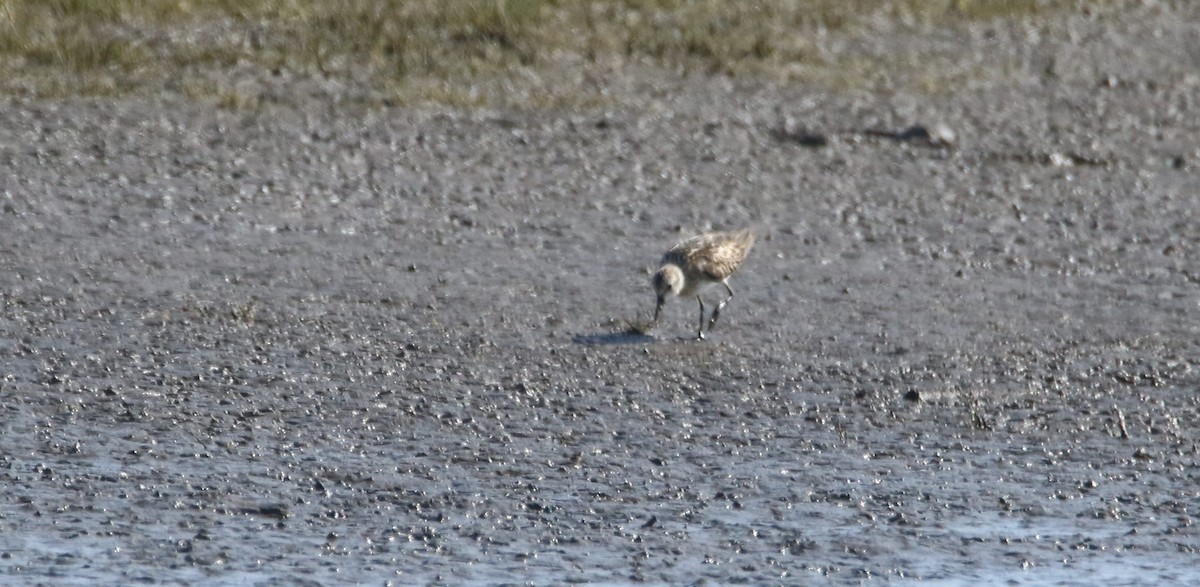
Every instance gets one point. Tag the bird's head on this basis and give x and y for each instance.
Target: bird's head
(668, 280)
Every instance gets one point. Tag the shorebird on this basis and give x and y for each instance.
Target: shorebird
(699, 263)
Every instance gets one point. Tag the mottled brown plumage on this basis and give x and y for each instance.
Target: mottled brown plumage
(697, 263)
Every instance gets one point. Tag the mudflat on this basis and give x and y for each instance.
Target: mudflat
(327, 343)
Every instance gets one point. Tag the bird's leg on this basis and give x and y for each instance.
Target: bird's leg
(717, 312)
(700, 331)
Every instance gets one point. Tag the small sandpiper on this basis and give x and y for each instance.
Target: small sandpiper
(698, 263)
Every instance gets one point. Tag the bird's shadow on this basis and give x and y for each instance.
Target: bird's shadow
(611, 338)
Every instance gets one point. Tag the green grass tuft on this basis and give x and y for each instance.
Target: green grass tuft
(465, 52)
(638, 326)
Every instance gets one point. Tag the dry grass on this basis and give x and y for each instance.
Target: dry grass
(466, 52)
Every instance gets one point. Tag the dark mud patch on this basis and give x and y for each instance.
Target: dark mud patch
(608, 338)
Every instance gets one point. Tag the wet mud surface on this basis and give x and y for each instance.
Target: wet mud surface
(320, 347)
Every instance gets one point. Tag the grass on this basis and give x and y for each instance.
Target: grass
(636, 326)
(533, 53)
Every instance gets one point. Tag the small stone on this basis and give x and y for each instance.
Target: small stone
(1059, 160)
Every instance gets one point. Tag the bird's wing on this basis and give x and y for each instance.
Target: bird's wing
(716, 256)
